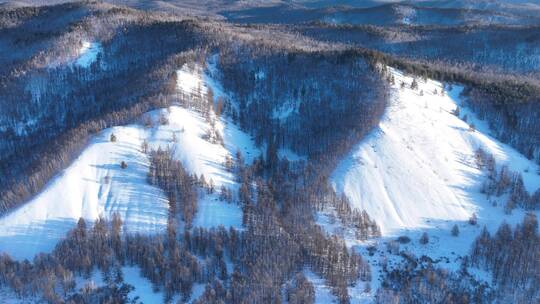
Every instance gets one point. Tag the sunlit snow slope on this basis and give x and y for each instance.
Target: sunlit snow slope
(417, 168)
(95, 184)
(88, 53)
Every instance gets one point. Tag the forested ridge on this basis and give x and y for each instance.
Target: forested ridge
(290, 88)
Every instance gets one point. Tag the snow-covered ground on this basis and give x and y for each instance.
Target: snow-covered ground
(205, 157)
(211, 212)
(323, 293)
(132, 276)
(143, 287)
(417, 169)
(416, 173)
(95, 184)
(290, 155)
(88, 53)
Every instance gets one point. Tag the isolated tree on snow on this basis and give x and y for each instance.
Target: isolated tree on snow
(414, 84)
(473, 220)
(144, 146)
(424, 239)
(455, 230)
(391, 79)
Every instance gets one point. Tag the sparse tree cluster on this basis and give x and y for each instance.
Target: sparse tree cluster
(431, 285)
(505, 181)
(300, 291)
(511, 255)
(169, 174)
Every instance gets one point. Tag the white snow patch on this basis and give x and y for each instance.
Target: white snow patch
(260, 75)
(197, 291)
(290, 155)
(323, 293)
(195, 79)
(8, 296)
(95, 279)
(205, 157)
(188, 80)
(88, 53)
(132, 276)
(210, 78)
(211, 212)
(143, 286)
(197, 154)
(237, 140)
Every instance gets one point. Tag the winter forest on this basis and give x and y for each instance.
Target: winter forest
(305, 151)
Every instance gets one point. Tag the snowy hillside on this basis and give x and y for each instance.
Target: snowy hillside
(417, 173)
(93, 185)
(417, 169)
(96, 185)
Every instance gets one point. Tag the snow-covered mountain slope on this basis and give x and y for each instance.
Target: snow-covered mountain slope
(418, 167)
(184, 135)
(417, 173)
(95, 184)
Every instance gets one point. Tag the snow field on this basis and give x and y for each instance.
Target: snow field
(418, 167)
(416, 173)
(95, 185)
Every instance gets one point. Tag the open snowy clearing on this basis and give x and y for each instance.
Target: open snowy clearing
(88, 53)
(323, 293)
(132, 276)
(95, 184)
(417, 173)
(418, 169)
